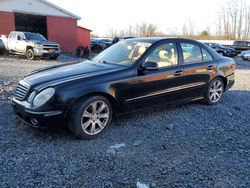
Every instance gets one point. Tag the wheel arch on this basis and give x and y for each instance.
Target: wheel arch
(223, 78)
(109, 97)
(29, 47)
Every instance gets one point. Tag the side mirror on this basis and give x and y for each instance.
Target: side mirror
(20, 38)
(149, 65)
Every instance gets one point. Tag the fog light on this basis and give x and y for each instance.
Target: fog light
(33, 121)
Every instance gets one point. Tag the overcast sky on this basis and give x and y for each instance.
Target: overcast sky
(103, 15)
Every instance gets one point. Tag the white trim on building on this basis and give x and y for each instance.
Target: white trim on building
(37, 7)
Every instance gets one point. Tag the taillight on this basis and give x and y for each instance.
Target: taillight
(233, 66)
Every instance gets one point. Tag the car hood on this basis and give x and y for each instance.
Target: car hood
(65, 72)
(44, 42)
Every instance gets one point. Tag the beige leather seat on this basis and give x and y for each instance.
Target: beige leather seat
(140, 51)
(165, 58)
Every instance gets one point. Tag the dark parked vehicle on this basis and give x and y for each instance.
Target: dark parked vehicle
(99, 44)
(130, 75)
(222, 50)
(117, 39)
(241, 45)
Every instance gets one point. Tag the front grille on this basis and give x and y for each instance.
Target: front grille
(50, 47)
(22, 90)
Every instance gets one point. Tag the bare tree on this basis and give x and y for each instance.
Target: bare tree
(247, 22)
(233, 19)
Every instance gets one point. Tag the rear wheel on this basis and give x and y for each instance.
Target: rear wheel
(30, 54)
(214, 91)
(90, 117)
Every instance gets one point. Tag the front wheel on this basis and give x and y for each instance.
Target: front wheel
(30, 54)
(221, 53)
(90, 117)
(54, 57)
(214, 91)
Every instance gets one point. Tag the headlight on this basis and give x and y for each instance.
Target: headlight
(31, 97)
(43, 97)
(38, 46)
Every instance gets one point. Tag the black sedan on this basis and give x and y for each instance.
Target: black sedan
(131, 75)
(223, 50)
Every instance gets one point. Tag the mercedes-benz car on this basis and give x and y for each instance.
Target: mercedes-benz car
(222, 50)
(130, 75)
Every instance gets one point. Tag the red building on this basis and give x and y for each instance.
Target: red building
(41, 16)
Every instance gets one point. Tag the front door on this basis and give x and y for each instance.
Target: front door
(20, 43)
(160, 86)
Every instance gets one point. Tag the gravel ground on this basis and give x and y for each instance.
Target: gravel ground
(191, 145)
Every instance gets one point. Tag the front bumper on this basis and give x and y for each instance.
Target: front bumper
(53, 118)
(46, 53)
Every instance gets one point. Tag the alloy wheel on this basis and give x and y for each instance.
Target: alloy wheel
(215, 91)
(30, 54)
(95, 117)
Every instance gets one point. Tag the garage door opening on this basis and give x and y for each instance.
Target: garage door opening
(31, 23)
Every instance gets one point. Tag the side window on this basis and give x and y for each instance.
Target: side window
(191, 53)
(13, 36)
(206, 55)
(164, 55)
(22, 35)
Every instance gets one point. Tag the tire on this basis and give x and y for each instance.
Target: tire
(90, 117)
(54, 58)
(221, 53)
(214, 91)
(30, 54)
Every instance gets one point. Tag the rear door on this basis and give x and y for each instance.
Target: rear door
(12, 41)
(199, 68)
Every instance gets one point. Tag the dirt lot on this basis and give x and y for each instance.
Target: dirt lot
(192, 145)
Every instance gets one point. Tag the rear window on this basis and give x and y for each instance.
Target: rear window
(193, 53)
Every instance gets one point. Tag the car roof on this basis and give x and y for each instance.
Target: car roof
(153, 40)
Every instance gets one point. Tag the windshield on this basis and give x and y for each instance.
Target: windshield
(33, 36)
(123, 53)
(106, 40)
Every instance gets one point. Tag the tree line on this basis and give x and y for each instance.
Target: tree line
(233, 22)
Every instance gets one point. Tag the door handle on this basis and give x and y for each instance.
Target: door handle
(210, 67)
(178, 73)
